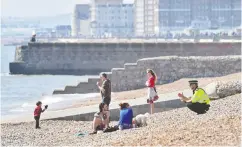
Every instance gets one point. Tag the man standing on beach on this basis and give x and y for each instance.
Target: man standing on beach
(105, 88)
(33, 38)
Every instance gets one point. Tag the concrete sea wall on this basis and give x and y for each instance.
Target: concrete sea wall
(168, 69)
(137, 109)
(95, 57)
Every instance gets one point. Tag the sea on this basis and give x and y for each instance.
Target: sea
(19, 93)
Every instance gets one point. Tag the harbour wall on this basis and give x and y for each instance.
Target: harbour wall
(91, 58)
(168, 69)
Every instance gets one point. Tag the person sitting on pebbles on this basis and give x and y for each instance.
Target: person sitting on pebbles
(126, 116)
(101, 118)
(199, 102)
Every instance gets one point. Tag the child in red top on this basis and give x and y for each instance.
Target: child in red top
(37, 112)
(152, 94)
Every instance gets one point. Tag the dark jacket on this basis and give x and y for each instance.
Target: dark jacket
(106, 89)
(33, 39)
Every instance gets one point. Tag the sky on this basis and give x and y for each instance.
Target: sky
(34, 8)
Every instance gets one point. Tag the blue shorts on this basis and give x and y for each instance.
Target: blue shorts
(125, 126)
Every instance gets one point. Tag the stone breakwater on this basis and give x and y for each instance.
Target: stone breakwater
(168, 69)
(220, 126)
(221, 89)
(95, 57)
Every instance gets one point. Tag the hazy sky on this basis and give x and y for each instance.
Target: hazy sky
(30, 8)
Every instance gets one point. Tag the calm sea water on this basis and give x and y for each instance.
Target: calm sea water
(19, 93)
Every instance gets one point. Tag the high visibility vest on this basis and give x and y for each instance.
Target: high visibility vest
(200, 96)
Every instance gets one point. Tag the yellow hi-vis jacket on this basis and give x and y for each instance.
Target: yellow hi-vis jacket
(200, 96)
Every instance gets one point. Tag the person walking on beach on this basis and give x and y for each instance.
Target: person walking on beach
(199, 102)
(37, 112)
(152, 94)
(105, 88)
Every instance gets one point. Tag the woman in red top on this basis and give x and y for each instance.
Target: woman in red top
(150, 83)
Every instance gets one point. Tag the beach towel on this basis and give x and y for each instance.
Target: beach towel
(82, 134)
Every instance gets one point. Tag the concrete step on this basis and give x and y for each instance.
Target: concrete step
(82, 87)
(93, 80)
(58, 92)
(166, 102)
(130, 66)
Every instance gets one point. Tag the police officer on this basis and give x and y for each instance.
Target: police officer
(199, 102)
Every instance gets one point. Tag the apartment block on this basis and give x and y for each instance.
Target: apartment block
(146, 17)
(201, 14)
(80, 20)
(112, 18)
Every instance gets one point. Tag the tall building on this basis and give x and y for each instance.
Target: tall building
(226, 13)
(201, 14)
(63, 31)
(174, 14)
(113, 18)
(146, 17)
(123, 18)
(80, 20)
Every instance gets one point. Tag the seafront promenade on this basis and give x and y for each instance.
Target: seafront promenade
(135, 40)
(166, 102)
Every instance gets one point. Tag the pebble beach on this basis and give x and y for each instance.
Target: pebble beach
(162, 89)
(220, 126)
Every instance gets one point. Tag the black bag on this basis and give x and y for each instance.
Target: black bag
(110, 129)
(46, 106)
(155, 89)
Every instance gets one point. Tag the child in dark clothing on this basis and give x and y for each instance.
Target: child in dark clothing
(37, 112)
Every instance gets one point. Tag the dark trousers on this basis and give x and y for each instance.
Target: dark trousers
(198, 107)
(106, 101)
(37, 121)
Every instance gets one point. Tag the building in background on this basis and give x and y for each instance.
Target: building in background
(63, 31)
(112, 18)
(174, 14)
(146, 17)
(124, 18)
(226, 13)
(43, 32)
(81, 20)
(200, 14)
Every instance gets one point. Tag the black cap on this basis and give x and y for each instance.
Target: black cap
(193, 82)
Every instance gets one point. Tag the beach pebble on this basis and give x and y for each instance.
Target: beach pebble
(219, 126)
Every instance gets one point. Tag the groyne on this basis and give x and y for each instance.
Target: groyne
(168, 69)
(91, 58)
